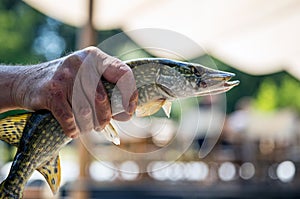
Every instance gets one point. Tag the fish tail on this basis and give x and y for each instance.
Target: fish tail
(11, 128)
(52, 173)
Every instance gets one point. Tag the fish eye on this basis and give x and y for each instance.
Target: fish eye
(201, 84)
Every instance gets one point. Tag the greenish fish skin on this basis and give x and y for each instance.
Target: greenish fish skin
(41, 140)
(158, 81)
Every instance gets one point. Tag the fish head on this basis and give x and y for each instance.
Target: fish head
(191, 80)
(207, 81)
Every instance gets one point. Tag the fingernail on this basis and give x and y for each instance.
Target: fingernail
(132, 107)
(74, 136)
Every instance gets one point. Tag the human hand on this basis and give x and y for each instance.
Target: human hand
(70, 87)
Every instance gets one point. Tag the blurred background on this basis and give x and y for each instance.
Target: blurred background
(257, 153)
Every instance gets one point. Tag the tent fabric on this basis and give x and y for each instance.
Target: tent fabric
(254, 36)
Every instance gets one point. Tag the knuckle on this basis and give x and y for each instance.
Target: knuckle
(91, 49)
(55, 91)
(118, 64)
(64, 74)
(72, 61)
(54, 87)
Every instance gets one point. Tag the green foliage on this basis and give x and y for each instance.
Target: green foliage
(273, 95)
(289, 93)
(22, 29)
(266, 99)
(18, 24)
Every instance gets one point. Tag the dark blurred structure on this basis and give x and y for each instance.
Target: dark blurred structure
(257, 155)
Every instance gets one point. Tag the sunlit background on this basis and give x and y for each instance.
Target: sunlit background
(258, 151)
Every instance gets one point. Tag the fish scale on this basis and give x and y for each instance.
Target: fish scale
(39, 136)
(33, 150)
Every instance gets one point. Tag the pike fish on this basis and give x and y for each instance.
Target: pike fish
(39, 137)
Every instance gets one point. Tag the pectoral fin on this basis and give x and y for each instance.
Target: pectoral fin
(149, 108)
(11, 128)
(52, 173)
(111, 134)
(167, 108)
(152, 107)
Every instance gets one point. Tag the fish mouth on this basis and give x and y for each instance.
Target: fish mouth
(231, 83)
(218, 82)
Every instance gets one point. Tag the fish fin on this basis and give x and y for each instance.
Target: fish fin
(11, 128)
(149, 108)
(51, 171)
(111, 134)
(167, 108)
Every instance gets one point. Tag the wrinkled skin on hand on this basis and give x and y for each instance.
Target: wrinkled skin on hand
(70, 87)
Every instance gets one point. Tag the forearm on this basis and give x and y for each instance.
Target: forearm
(8, 76)
(17, 81)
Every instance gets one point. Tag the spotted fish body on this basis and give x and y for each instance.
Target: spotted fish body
(38, 148)
(39, 136)
(160, 81)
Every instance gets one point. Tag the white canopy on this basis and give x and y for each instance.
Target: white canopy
(255, 36)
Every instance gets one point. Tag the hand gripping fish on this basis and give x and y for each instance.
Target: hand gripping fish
(39, 136)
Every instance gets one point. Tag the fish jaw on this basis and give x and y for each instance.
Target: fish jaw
(215, 82)
(193, 80)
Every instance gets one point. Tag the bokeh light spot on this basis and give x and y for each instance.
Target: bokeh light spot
(129, 170)
(286, 171)
(247, 170)
(227, 171)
